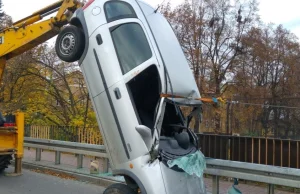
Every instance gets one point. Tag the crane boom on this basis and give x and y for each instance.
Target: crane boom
(29, 32)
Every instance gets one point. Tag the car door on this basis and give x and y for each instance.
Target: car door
(124, 52)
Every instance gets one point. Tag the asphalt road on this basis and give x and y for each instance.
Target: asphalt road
(37, 183)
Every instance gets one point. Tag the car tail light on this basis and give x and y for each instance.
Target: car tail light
(87, 4)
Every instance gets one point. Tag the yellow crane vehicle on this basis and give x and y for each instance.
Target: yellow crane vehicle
(22, 36)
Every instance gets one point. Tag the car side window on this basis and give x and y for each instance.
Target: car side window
(131, 45)
(116, 10)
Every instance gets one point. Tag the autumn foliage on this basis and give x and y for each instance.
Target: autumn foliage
(233, 54)
(48, 90)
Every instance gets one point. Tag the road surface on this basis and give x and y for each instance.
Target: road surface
(37, 183)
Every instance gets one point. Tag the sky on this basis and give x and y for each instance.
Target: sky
(278, 12)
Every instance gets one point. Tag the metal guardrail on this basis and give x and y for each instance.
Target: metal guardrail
(253, 172)
(79, 149)
(217, 168)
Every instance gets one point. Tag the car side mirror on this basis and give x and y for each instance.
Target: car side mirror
(146, 135)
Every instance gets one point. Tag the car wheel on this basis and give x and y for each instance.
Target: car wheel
(70, 44)
(119, 189)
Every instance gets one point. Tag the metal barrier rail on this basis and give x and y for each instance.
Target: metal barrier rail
(68, 147)
(217, 168)
(253, 172)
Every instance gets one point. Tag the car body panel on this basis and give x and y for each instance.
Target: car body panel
(114, 104)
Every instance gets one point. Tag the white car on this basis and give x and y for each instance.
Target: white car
(138, 79)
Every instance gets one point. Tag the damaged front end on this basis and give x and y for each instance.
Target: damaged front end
(181, 162)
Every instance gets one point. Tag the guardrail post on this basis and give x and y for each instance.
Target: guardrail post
(105, 165)
(215, 185)
(38, 154)
(57, 157)
(79, 161)
(271, 189)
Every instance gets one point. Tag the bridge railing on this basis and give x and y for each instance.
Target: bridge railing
(268, 151)
(90, 135)
(270, 175)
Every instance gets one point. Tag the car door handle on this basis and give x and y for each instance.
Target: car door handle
(99, 39)
(118, 93)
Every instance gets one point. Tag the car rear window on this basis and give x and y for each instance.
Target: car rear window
(116, 10)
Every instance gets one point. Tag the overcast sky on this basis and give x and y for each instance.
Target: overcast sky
(279, 12)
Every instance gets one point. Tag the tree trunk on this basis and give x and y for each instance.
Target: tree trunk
(217, 114)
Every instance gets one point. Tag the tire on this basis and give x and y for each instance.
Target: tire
(70, 43)
(4, 162)
(119, 189)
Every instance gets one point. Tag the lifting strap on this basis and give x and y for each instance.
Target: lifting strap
(204, 100)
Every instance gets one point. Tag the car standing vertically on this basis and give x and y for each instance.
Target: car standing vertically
(139, 80)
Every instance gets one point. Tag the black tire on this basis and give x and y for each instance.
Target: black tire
(4, 162)
(70, 43)
(119, 189)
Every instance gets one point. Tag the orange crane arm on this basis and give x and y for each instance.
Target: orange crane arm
(204, 100)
